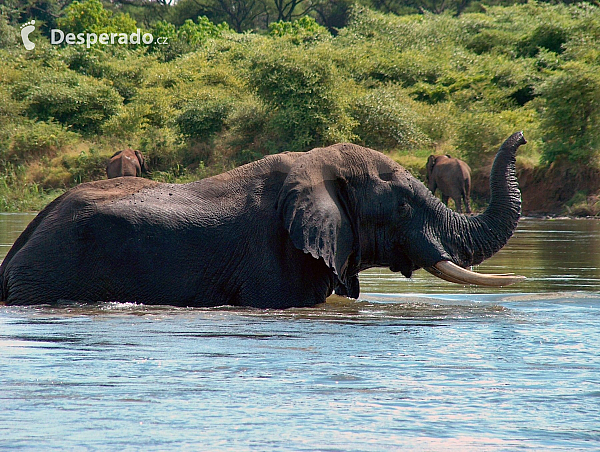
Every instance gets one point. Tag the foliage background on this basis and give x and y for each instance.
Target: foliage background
(452, 78)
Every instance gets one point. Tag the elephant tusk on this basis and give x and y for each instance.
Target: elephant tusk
(449, 271)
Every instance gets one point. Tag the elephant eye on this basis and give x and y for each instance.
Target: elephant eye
(386, 176)
(404, 209)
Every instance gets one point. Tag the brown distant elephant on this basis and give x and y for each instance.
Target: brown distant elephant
(126, 163)
(453, 177)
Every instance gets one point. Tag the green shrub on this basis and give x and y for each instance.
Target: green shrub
(479, 135)
(414, 31)
(488, 40)
(199, 32)
(247, 122)
(385, 120)
(162, 148)
(156, 104)
(549, 36)
(87, 166)
(187, 38)
(381, 62)
(8, 34)
(80, 102)
(129, 122)
(33, 140)
(202, 119)
(302, 30)
(570, 113)
(18, 195)
(10, 109)
(437, 121)
(302, 89)
(89, 16)
(125, 75)
(495, 82)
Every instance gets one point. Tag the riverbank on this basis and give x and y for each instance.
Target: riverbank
(558, 189)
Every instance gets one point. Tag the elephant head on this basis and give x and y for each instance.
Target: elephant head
(142, 161)
(357, 212)
(431, 161)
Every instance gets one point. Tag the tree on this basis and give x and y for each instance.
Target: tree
(191, 9)
(45, 12)
(144, 11)
(286, 9)
(89, 16)
(239, 14)
(186, 38)
(334, 14)
(304, 29)
(407, 6)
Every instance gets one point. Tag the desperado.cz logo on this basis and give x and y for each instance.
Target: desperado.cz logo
(89, 39)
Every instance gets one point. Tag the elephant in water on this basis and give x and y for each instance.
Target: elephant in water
(280, 232)
(453, 178)
(126, 163)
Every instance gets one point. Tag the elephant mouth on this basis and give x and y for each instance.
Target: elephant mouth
(449, 271)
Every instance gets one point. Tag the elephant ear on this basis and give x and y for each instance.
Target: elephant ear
(142, 161)
(430, 164)
(317, 214)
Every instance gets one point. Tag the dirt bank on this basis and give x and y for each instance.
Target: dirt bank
(560, 189)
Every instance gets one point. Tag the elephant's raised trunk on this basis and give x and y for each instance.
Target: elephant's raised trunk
(483, 235)
(497, 224)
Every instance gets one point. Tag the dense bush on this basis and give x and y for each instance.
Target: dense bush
(125, 76)
(10, 108)
(570, 113)
(479, 135)
(202, 119)
(86, 166)
(76, 101)
(301, 87)
(213, 98)
(303, 30)
(188, 37)
(247, 122)
(385, 120)
(32, 140)
(90, 16)
(8, 34)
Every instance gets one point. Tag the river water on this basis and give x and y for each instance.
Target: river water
(415, 364)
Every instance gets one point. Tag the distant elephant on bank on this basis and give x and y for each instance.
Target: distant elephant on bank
(126, 163)
(284, 231)
(453, 177)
